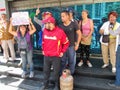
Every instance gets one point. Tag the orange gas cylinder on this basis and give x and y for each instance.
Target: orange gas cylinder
(66, 80)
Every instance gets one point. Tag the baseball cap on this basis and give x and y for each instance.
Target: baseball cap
(49, 20)
(46, 13)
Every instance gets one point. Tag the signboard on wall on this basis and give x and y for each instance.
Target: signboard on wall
(2, 6)
(20, 18)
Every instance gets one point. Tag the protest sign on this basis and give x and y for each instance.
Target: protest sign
(20, 18)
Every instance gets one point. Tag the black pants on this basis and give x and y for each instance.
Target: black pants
(84, 49)
(56, 62)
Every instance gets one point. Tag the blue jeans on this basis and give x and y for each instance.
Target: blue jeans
(70, 56)
(117, 82)
(27, 59)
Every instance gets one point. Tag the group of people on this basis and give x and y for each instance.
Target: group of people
(60, 43)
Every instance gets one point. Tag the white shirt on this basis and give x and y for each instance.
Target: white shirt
(105, 27)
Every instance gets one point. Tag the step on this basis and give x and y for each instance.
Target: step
(91, 83)
(95, 72)
(81, 82)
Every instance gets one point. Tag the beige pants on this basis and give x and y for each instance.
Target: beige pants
(5, 45)
(110, 49)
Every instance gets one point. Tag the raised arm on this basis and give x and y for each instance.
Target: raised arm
(36, 17)
(31, 27)
(13, 32)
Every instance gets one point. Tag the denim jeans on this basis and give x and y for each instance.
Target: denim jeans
(69, 56)
(117, 82)
(27, 59)
(56, 62)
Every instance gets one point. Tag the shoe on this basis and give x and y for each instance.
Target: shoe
(113, 70)
(80, 63)
(113, 85)
(51, 67)
(23, 74)
(31, 75)
(89, 64)
(105, 65)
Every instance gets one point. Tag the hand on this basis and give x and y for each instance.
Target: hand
(30, 21)
(11, 20)
(43, 52)
(61, 54)
(37, 11)
(76, 47)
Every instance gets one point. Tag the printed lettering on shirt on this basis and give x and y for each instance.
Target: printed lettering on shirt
(50, 37)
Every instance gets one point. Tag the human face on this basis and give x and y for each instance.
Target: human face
(50, 26)
(22, 28)
(84, 14)
(64, 17)
(3, 17)
(112, 18)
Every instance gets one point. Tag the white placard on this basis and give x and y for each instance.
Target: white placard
(20, 18)
(2, 7)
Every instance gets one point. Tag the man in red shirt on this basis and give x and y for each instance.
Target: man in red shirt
(54, 44)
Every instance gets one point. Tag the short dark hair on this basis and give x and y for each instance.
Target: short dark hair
(66, 12)
(114, 13)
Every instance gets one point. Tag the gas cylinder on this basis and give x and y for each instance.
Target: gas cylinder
(66, 80)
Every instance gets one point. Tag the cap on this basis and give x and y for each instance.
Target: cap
(49, 20)
(47, 13)
(70, 10)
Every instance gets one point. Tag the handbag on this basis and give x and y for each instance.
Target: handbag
(105, 38)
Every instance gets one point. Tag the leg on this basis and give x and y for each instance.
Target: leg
(30, 61)
(87, 52)
(5, 49)
(63, 61)
(11, 47)
(24, 61)
(112, 46)
(81, 51)
(105, 55)
(56, 62)
(46, 69)
(117, 82)
(71, 60)
(81, 55)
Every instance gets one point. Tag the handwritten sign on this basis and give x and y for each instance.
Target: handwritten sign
(20, 18)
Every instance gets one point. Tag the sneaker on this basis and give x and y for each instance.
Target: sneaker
(105, 65)
(80, 63)
(23, 74)
(113, 70)
(89, 64)
(31, 75)
(51, 67)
